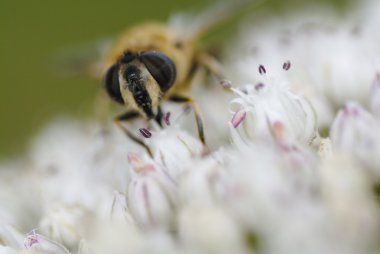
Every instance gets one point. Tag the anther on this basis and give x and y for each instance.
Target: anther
(167, 118)
(286, 65)
(145, 132)
(238, 118)
(262, 69)
(259, 86)
(226, 84)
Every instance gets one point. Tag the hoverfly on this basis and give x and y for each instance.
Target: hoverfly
(151, 63)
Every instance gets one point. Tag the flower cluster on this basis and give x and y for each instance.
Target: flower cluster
(278, 185)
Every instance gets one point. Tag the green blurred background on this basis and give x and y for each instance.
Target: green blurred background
(33, 33)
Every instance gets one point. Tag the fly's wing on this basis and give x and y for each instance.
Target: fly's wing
(196, 25)
(86, 59)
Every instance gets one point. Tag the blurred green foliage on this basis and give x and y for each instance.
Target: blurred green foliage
(33, 32)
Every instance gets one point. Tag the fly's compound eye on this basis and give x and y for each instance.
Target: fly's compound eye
(111, 83)
(161, 67)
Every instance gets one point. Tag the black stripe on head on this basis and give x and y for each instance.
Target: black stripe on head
(161, 67)
(137, 87)
(111, 84)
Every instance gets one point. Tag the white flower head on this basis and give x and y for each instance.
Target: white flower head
(269, 108)
(152, 193)
(175, 149)
(267, 179)
(356, 132)
(203, 182)
(334, 57)
(74, 167)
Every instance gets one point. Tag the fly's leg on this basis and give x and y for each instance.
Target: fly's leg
(128, 116)
(194, 106)
(211, 64)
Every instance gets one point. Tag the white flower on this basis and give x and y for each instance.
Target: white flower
(203, 182)
(117, 239)
(350, 202)
(333, 60)
(270, 108)
(152, 194)
(268, 177)
(119, 213)
(356, 132)
(38, 242)
(66, 224)
(271, 193)
(12, 241)
(209, 229)
(11, 237)
(175, 149)
(74, 165)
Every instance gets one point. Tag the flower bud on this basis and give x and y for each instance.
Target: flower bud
(272, 109)
(356, 132)
(152, 194)
(66, 224)
(119, 214)
(175, 149)
(203, 183)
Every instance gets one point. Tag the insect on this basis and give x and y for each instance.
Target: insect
(152, 62)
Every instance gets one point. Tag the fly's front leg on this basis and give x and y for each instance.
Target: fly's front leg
(211, 64)
(128, 116)
(194, 106)
(215, 68)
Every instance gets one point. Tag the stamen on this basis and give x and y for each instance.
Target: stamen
(278, 130)
(167, 118)
(138, 165)
(238, 118)
(226, 84)
(259, 86)
(286, 65)
(134, 159)
(145, 132)
(347, 111)
(31, 239)
(262, 69)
